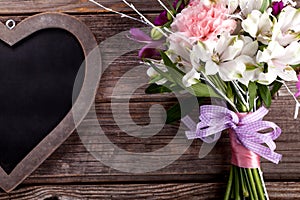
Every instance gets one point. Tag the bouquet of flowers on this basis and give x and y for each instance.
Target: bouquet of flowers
(240, 51)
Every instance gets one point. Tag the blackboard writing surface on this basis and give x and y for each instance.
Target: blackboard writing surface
(36, 84)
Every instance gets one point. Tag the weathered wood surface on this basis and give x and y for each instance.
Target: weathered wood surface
(167, 191)
(73, 6)
(73, 173)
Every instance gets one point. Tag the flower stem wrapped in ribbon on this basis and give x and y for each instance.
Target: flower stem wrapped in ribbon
(246, 143)
(214, 119)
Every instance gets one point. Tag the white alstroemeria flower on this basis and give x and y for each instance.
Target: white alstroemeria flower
(279, 60)
(247, 6)
(232, 5)
(287, 29)
(190, 78)
(228, 56)
(179, 50)
(152, 73)
(198, 56)
(201, 53)
(248, 59)
(259, 26)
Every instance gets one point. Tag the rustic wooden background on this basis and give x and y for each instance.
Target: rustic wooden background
(73, 173)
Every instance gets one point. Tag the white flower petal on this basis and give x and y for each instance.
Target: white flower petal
(267, 78)
(287, 73)
(190, 78)
(292, 54)
(287, 28)
(250, 47)
(211, 68)
(247, 6)
(232, 50)
(199, 55)
(250, 24)
(250, 75)
(229, 71)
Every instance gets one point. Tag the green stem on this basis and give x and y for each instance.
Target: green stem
(218, 82)
(232, 195)
(236, 184)
(243, 183)
(252, 183)
(229, 184)
(258, 184)
(219, 92)
(251, 196)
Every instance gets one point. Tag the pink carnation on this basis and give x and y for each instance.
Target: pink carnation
(203, 22)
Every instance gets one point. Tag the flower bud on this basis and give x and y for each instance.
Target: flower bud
(156, 34)
(169, 16)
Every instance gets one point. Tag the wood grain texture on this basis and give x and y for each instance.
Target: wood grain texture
(170, 191)
(73, 163)
(72, 6)
(8, 7)
(73, 173)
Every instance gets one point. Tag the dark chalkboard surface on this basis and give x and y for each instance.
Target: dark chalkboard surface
(36, 84)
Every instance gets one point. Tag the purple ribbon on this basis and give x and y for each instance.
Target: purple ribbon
(215, 119)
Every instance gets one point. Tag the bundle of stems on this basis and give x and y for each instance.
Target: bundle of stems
(245, 184)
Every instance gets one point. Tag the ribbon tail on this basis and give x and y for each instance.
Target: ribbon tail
(191, 135)
(265, 152)
(273, 157)
(190, 124)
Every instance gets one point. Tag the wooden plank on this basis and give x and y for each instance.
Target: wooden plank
(73, 6)
(73, 163)
(191, 191)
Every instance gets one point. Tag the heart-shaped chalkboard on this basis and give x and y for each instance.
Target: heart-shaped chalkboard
(41, 59)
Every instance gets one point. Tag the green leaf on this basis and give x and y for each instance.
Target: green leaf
(265, 94)
(264, 6)
(155, 89)
(171, 6)
(252, 88)
(156, 78)
(162, 73)
(230, 92)
(276, 86)
(169, 62)
(202, 90)
(198, 89)
(178, 5)
(175, 76)
(167, 24)
(174, 113)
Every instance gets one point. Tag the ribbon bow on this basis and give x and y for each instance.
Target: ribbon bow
(215, 119)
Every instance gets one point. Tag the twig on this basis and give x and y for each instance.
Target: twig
(119, 13)
(219, 92)
(165, 7)
(238, 89)
(144, 18)
(292, 94)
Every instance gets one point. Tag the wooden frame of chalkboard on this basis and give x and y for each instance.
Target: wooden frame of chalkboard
(85, 97)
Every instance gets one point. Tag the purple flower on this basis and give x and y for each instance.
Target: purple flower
(298, 87)
(277, 6)
(162, 18)
(150, 49)
(181, 7)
